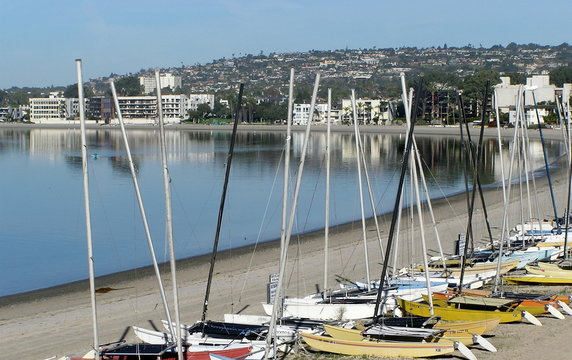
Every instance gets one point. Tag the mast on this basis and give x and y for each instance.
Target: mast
(142, 208)
(366, 260)
(370, 193)
(475, 157)
(422, 232)
(495, 97)
(327, 210)
(90, 259)
(287, 161)
(169, 218)
(272, 328)
(505, 213)
(429, 206)
(415, 189)
(278, 297)
(545, 157)
(407, 106)
(404, 161)
(222, 202)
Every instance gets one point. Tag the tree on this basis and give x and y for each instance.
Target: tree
(71, 91)
(166, 91)
(271, 112)
(204, 110)
(473, 86)
(517, 78)
(221, 111)
(303, 93)
(129, 86)
(561, 75)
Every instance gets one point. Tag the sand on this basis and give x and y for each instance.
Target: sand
(57, 321)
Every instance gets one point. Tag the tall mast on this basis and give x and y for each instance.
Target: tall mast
(278, 297)
(360, 185)
(404, 163)
(327, 210)
(505, 213)
(90, 259)
(370, 193)
(287, 161)
(407, 106)
(495, 98)
(222, 202)
(545, 158)
(284, 223)
(169, 218)
(141, 208)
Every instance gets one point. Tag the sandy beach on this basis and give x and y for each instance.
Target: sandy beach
(57, 321)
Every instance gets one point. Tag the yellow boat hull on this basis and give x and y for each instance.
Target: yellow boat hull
(378, 348)
(506, 266)
(549, 266)
(450, 313)
(479, 327)
(549, 271)
(537, 279)
(355, 335)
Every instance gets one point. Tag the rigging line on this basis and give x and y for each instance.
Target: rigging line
(347, 262)
(528, 171)
(222, 201)
(197, 219)
(386, 189)
(259, 235)
(532, 175)
(312, 198)
(445, 197)
(95, 182)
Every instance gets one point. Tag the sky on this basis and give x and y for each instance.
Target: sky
(39, 40)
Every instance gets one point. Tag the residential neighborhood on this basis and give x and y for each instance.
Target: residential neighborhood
(373, 73)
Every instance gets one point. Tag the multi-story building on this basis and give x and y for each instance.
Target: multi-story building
(197, 99)
(167, 80)
(144, 108)
(100, 108)
(12, 113)
(301, 113)
(53, 109)
(175, 106)
(369, 111)
(538, 92)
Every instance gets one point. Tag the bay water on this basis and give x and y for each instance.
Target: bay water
(42, 224)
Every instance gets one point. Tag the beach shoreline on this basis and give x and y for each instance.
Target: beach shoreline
(59, 318)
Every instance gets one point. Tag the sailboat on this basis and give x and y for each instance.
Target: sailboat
(167, 349)
(389, 332)
(434, 347)
(543, 273)
(534, 307)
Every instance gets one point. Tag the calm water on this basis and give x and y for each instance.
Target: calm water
(42, 226)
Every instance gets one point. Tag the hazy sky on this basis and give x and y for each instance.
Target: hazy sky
(40, 39)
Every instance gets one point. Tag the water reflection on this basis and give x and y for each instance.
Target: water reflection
(42, 212)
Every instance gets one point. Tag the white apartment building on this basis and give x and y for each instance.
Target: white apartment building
(167, 80)
(196, 99)
(53, 109)
(507, 95)
(144, 108)
(369, 111)
(301, 113)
